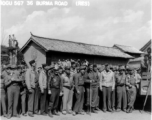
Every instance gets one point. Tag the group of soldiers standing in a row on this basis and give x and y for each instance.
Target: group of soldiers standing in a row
(72, 90)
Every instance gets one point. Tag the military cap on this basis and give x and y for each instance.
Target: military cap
(111, 67)
(78, 68)
(39, 67)
(44, 65)
(67, 68)
(49, 67)
(121, 68)
(60, 67)
(94, 65)
(130, 69)
(106, 64)
(82, 68)
(31, 62)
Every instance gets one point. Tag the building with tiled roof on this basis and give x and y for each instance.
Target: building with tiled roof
(129, 50)
(46, 50)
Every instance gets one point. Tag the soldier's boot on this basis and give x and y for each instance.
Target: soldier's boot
(93, 110)
(9, 116)
(88, 110)
(56, 113)
(5, 115)
(50, 114)
(30, 114)
(128, 110)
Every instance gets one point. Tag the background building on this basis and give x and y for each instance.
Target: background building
(47, 50)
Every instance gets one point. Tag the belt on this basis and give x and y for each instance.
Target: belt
(69, 87)
(121, 85)
(15, 84)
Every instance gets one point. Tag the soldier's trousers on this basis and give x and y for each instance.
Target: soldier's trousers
(23, 101)
(113, 98)
(3, 101)
(54, 99)
(13, 93)
(89, 96)
(36, 99)
(67, 98)
(107, 95)
(121, 95)
(95, 96)
(43, 101)
(79, 100)
(31, 101)
(131, 96)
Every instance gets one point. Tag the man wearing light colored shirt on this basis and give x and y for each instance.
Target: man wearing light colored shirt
(107, 85)
(43, 88)
(67, 79)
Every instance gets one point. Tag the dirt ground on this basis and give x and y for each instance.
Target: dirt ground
(136, 115)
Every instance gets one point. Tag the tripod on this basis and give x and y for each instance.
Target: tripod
(148, 78)
(146, 94)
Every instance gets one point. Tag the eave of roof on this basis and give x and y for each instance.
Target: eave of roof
(135, 51)
(49, 44)
(147, 44)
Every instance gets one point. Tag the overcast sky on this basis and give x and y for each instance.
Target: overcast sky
(104, 22)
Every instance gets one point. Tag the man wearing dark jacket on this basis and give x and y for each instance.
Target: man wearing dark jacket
(55, 89)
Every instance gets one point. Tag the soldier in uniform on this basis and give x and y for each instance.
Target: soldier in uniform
(55, 89)
(113, 69)
(43, 89)
(89, 77)
(121, 89)
(107, 84)
(79, 86)
(23, 92)
(67, 79)
(31, 80)
(131, 83)
(95, 88)
(13, 91)
(3, 90)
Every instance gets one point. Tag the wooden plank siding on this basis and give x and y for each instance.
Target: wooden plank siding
(55, 56)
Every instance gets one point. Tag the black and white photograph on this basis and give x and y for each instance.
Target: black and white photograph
(75, 59)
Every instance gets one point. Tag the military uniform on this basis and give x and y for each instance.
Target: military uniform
(31, 80)
(121, 91)
(13, 90)
(3, 93)
(89, 76)
(95, 86)
(55, 86)
(67, 92)
(23, 93)
(79, 86)
(131, 83)
(43, 88)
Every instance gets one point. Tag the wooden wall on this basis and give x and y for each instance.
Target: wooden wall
(55, 56)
